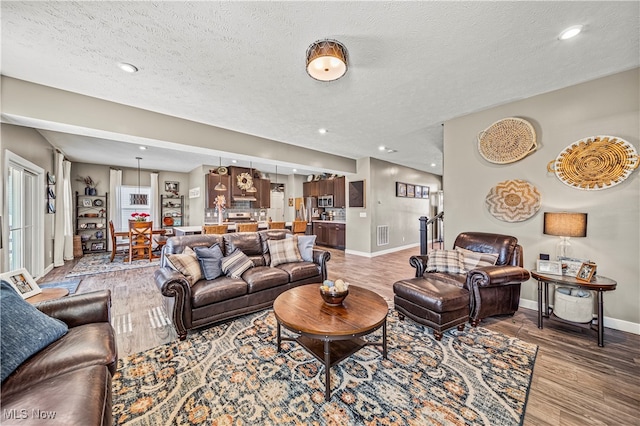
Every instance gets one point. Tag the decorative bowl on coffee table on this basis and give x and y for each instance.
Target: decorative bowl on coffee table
(332, 297)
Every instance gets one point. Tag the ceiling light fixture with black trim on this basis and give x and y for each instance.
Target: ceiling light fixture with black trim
(138, 199)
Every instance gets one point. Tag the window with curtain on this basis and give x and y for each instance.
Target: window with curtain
(126, 208)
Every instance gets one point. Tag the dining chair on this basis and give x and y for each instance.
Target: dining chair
(118, 245)
(276, 225)
(299, 227)
(214, 229)
(140, 240)
(247, 227)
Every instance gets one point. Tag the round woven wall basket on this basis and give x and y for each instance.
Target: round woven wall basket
(507, 141)
(596, 162)
(513, 200)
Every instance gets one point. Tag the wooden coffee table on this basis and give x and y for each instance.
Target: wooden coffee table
(331, 333)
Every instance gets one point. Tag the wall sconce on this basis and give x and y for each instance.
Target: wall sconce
(565, 225)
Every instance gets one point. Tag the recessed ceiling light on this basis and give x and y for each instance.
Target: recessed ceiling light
(295, 170)
(142, 147)
(234, 161)
(433, 164)
(570, 32)
(391, 151)
(382, 147)
(322, 131)
(127, 67)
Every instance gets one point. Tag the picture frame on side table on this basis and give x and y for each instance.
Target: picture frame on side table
(586, 271)
(22, 282)
(572, 265)
(401, 189)
(549, 267)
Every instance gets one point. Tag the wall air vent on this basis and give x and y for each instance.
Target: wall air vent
(382, 235)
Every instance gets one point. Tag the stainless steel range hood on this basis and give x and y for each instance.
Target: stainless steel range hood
(244, 198)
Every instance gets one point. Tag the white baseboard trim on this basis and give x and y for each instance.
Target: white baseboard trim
(382, 252)
(616, 324)
(46, 271)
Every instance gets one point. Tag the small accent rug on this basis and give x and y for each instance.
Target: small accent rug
(71, 285)
(232, 374)
(91, 264)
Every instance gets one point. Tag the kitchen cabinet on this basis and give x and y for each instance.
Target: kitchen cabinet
(263, 195)
(212, 181)
(325, 187)
(339, 198)
(330, 234)
(171, 211)
(310, 189)
(91, 222)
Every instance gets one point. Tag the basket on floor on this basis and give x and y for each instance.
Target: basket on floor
(77, 246)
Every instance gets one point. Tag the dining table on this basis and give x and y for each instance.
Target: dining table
(158, 236)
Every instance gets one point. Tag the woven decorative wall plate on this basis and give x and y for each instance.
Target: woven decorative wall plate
(507, 141)
(596, 162)
(513, 200)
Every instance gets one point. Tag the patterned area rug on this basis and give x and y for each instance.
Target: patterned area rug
(99, 263)
(232, 374)
(71, 285)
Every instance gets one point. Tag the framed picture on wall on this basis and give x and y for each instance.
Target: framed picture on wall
(356, 193)
(425, 192)
(401, 189)
(411, 191)
(418, 191)
(171, 186)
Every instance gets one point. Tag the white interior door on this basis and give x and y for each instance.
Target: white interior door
(276, 212)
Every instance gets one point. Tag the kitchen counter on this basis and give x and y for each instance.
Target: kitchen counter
(231, 227)
(331, 221)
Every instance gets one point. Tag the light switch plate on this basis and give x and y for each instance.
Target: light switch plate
(363, 214)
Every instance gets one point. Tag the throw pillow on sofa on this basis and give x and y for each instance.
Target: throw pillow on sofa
(236, 263)
(445, 261)
(305, 246)
(187, 264)
(25, 330)
(284, 251)
(473, 259)
(210, 259)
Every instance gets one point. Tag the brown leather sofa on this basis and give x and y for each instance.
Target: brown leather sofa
(437, 299)
(68, 382)
(210, 301)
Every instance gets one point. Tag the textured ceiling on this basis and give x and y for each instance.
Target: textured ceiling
(241, 65)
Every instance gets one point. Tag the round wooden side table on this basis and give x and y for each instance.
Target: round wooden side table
(48, 294)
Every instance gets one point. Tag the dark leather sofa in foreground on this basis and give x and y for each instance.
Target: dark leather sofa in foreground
(205, 302)
(69, 381)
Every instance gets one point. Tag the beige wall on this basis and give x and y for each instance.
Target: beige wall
(382, 207)
(30, 145)
(607, 106)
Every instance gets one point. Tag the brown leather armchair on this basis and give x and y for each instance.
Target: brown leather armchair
(494, 290)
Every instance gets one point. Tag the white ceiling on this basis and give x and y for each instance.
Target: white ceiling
(241, 66)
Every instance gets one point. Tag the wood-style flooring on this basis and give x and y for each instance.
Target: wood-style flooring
(575, 382)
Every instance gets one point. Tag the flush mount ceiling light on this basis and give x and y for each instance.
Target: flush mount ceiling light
(126, 67)
(570, 32)
(326, 60)
(322, 131)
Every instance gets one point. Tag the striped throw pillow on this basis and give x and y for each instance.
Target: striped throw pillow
(187, 264)
(447, 261)
(473, 259)
(236, 263)
(284, 251)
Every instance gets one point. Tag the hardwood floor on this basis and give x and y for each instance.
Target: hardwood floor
(575, 382)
